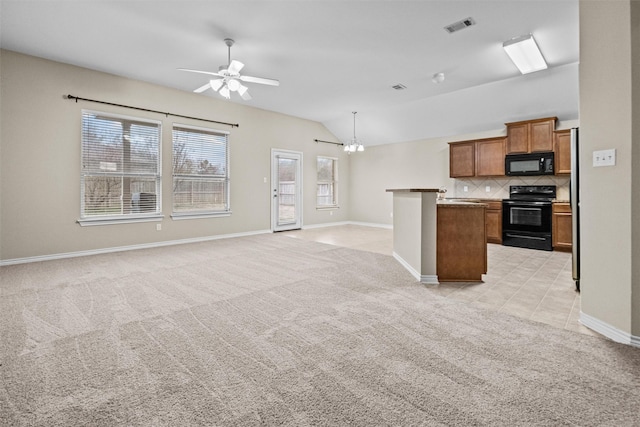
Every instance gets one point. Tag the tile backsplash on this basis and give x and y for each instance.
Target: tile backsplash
(499, 187)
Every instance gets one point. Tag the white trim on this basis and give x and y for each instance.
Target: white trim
(193, 215)
(427, 279)
(127, 248)
(609, 331)
(371, 224)
(331, 224)
(89, 222)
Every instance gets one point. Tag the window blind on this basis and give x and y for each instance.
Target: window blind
(120, 166)
(200, 171)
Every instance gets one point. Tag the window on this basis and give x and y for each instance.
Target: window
(200, 171)
(120, 177)
(327, 191)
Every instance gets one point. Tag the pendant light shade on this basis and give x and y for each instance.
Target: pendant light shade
(354, 145)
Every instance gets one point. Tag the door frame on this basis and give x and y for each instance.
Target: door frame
(275, 153)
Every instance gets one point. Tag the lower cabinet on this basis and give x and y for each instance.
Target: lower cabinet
(561, 227)
(494, 221)
(461, 248)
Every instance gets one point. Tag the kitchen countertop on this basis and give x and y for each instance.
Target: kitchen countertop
(471, 203)
(413, 190)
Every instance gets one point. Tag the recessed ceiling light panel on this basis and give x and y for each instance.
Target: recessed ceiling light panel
(460, 25)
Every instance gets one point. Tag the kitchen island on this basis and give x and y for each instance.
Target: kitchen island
(438, 241)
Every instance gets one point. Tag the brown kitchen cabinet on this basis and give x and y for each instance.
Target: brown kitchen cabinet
(530, 136)
(483, 157)
(461, 242)
(561, 226)
(462, 159)
(490, 157)
(562, 150)
(494, 220)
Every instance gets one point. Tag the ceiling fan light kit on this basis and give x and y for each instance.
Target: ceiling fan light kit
(229, 78)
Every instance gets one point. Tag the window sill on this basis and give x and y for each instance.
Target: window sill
(327, 208)
(87, 222)
(191, 215)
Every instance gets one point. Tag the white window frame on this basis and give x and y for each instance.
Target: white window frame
(333, 182)
(110, 170)
(201, 213)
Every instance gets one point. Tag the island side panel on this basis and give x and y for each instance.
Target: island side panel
(407, 224)
(429, 272)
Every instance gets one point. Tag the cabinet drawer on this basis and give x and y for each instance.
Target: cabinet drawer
(561, 207)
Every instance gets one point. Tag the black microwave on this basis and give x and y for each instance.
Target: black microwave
(528, 164)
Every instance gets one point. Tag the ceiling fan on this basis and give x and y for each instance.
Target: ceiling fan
(229, 78)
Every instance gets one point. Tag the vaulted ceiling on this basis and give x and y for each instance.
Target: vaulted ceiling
(331, 57)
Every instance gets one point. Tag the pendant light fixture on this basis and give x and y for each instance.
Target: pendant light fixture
(354, 145)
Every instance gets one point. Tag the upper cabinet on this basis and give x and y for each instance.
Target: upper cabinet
(484, 157)
(490, 157)
(531, 136)
(562, 150)
(462, 159)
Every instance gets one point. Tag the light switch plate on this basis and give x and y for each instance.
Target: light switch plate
(604, 158)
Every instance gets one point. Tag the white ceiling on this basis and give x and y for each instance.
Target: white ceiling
(331, 57)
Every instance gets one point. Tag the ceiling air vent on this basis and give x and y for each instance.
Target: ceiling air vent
(399, 86)
(460, 25)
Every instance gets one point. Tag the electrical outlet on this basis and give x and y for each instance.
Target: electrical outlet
(465, 188)
(158, 227)
(487, 189)
(265, 179)
(330, 213)
(391, 214)
(604, 158)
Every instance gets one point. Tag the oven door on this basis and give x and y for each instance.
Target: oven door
(532, 217)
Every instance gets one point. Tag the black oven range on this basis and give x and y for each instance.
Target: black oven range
(526, 216)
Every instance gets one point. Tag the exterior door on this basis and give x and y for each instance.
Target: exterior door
(286, 190)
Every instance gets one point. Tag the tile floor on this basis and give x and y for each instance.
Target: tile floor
(536, 285)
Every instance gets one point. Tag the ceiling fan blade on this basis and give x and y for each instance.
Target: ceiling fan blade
(244, 92)
(201, 72)
(216, 84)
(235, 67)
(262, 81)
(203, 88)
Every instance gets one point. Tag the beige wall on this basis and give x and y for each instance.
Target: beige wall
(40, 159)
(609, 229)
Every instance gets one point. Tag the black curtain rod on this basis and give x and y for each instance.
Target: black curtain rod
(328, 142)
(77, 98)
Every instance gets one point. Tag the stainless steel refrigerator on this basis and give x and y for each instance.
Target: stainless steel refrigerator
(574, 196)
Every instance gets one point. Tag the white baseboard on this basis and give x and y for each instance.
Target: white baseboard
(427, 279)
(332, 224)
(609, 331)
(126, 248)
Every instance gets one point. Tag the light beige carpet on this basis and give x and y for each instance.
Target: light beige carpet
(270, 330)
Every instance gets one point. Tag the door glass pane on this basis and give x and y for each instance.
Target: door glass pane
(287, 200)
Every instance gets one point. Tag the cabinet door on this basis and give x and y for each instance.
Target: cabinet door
(490, 157)
(562, 149)
(518, 138)
(561, 227)
(462, 160)
(494, 225)
(541, 135)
